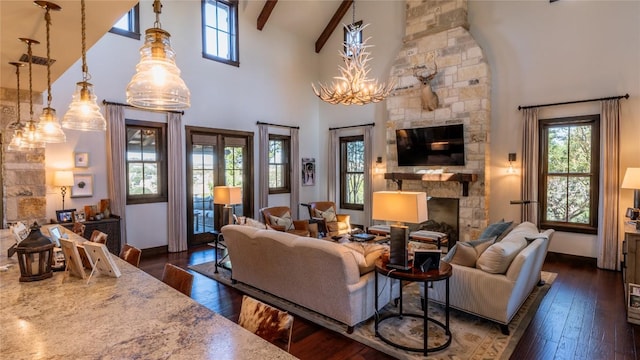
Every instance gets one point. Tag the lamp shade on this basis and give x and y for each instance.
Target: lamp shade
(84, 113)
(227, 195)
(400, 206)
(63, 178)
(631, 179)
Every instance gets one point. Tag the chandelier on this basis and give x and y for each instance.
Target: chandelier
(157, 84)
(353, 86)
(84, 113)
(48, 128)
(17, 127)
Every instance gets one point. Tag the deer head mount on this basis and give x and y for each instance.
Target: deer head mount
(428, 97)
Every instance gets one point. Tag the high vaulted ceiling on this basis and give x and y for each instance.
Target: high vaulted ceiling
(314, 20)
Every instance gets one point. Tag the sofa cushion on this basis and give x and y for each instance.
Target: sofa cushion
(365, 255)
(284, 221)
(254, 223)
(497, 258)
(466, 253)
(329, 215)
(496, 229)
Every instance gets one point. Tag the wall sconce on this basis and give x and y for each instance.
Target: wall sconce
(512, 159)
(379, 167)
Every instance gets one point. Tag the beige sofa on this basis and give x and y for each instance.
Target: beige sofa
(498, 296)
(324, 276)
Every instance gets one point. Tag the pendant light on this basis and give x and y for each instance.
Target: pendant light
(84, 113)
(17, 127)
(157, 84)
(31, 138)
(49, 126)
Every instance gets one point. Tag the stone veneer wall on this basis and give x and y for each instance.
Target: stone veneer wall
(437, 30)
(23, 173)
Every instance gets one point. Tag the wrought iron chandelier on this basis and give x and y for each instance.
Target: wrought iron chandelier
(84, 113)
(353, 86)
(157, 84)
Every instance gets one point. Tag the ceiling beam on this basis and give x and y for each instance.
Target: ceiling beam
(265, 13)
(335, 20)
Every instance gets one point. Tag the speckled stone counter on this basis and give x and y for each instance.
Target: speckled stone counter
(132, 317)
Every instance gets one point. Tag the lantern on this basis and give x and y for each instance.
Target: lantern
(35, 256)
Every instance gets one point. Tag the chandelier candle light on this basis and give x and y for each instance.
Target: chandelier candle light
(17, 127)
(352, 86)
(84, 113)
(48, 128)
(157, 84)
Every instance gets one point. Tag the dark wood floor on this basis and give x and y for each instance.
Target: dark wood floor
(582, 316)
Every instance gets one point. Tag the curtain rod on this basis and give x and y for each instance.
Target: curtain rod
(352, 126)
(626, 96)
(105, 102)
(284, 126)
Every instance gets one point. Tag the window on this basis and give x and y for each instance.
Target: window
(279, 173)
(352, 172)
(146, 162)
(129, 24)
(352, 38)
(220, 31)
(569, 163)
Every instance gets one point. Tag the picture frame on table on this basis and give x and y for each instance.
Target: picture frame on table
(82, 185)
(78, 216)
(634, 297)
(81, 159)
(65, 216)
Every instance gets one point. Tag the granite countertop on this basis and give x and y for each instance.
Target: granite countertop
(133, 316)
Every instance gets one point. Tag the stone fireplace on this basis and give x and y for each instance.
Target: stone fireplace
(439, 52)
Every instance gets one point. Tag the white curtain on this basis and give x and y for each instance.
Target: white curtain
(332, 164)
(177, 198)
(530, 160)
(116, 171)
(263, 166)
(609, 184)
(368, 174)
(294, 198)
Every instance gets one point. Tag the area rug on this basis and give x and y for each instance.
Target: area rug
(472, 337)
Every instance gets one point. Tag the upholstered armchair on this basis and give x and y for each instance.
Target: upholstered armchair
(279, 218)
(324, 213)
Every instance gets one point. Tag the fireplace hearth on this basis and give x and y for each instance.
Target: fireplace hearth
(443, 217)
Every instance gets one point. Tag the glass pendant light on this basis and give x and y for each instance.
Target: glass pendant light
(30, 137)
(157, 84)
(48, 128)
(17, 127)
(84, 113)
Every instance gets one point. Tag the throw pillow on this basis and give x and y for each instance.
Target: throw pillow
(254, 223)
(329, 215)
(284, 221)
(467, 253)
(365, 255)
(495, 229)
(497, 258)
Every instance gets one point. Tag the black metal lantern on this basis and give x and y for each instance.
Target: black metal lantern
(35, 255)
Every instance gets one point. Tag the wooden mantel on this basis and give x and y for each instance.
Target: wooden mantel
(462, 178)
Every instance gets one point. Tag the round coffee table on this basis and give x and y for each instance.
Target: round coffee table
(415, 275)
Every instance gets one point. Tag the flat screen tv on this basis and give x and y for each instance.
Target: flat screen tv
(431, 146)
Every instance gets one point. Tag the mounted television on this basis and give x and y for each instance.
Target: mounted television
(434, 145)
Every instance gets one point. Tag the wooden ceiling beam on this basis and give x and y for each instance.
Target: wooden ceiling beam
(265, 13)
(335, 20)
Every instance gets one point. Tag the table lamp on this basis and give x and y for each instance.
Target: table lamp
(400, 207)
(227, 196)
(632, 181)
(63, 178)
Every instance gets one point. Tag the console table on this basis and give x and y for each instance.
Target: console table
(110, 226)
(631, 263)
(414, 274)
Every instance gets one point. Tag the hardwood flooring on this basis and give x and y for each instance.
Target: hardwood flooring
(582, 317)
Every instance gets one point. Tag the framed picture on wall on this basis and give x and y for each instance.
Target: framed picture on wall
(308, 171)
(81, 159)
(82, 185)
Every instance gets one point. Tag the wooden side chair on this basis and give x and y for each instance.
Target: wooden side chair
(266, 321)
(178, 278)
(99, 237)
(131, 255)
(78, 228)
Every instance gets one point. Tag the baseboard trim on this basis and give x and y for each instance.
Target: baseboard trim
(583, 259)
(158, 250)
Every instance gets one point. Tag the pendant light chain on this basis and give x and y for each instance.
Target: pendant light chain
(18, 89)
(353, 15)
(47, 18)
(85, 68)
(157, 8)
(29, 53)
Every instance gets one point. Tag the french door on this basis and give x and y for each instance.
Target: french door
(216, 157)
